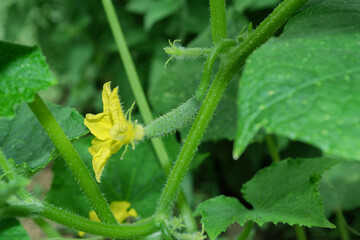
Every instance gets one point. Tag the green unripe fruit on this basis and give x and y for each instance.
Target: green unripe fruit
(173, 120)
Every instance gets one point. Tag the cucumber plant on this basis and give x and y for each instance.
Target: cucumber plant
(293, 79)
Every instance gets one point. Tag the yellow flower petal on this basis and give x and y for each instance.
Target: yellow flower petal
(118, 206)
(101, 152)
(111, 103)
(106, 92)
(93, 216)
(81, 234)
(120, 210)
(132, 213)
(116, 111)
(99, 125)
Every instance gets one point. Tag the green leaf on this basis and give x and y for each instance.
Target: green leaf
(339, 187)
(138, 179)
(12, 229)
(284, 192)
(159, 9)
(305, 84)
(24, 140)
(23, 72)
(138, 6)
(154, 10)
(218, 213)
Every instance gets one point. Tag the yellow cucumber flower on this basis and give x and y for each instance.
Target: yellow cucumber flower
(111, 130)
(120, 211)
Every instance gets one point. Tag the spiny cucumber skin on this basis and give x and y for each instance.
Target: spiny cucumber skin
(173, 120)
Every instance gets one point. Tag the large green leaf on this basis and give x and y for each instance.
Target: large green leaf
(24, 140)
(340, 187)
(154, 10)
(173, 85)
(23, 72)
(12, 229)
(284, 192)
(305, 84)
(138, 179)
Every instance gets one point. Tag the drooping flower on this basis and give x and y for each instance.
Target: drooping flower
(120, 209)
(112, 130)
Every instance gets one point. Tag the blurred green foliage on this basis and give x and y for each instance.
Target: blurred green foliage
(76, 39)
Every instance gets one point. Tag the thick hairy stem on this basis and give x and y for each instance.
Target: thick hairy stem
(73, 161)
(123, 231)
(201, 122)
(42, 209)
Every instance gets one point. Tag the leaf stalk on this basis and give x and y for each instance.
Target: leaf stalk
(246, 231)
(218, 20)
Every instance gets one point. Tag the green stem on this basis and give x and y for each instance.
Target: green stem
(62, 238)
(273, 149)
(10, 173)
(165, 231)
(45, 210)
(32, 207)
(144, 108)
(208, 66)
(300, 232)
(266, 29)
(186, 212)
(73, 160)
(46, 228)
(341, 224)
(127, 61)
(233, 62)
(197, 130)
(218, 20)
(246, 231)
(122, 231)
